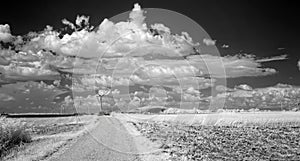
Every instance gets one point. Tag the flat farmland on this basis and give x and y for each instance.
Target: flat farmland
(223, 118)
(223, 136)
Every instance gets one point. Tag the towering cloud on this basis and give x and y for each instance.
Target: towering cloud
(148, 53)
(137, 15)
(117, 54)
(5, 34)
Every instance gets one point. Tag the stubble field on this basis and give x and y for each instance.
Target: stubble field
(225, 136)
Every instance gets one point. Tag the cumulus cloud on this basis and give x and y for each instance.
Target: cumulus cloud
(68, 23)
(131, 36)
(137, 15)
(5, 34)
(209, 42)
(92, 44)
(15, 66)
(82, 21)
(190, 98)
(12, 70)
(280, 96)
(157, 94)
(192, 90)
(160, 28)
(123, 54)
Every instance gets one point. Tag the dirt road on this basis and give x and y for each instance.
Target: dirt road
(109, 141)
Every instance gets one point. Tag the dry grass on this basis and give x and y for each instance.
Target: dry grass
(12, 134)
(49, 135)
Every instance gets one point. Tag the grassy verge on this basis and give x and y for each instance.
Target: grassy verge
(12, 134)
(49, 136)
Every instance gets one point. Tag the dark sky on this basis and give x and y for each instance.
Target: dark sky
(257, 27)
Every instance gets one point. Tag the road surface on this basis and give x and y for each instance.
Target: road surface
(109, 141)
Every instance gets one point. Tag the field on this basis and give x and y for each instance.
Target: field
(168, 137)
(224, 136)
(48, 135)
(222, 118)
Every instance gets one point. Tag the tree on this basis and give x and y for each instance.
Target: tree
(100, 93)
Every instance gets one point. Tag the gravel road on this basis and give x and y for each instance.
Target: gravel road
(109, 141)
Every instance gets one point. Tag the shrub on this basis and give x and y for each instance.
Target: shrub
(12, 134)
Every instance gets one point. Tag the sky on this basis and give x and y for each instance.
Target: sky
(240, 42)
(261, 28)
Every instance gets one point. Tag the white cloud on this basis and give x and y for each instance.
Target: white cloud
(5, 97)
(125, 53)
(192, 90)
(225, 46)
(190, 98)
(137, 15)
(5, 34)
(280, 95)
(82, 20)
(13, 72)
(274, 58)
(229, 66)
(131, 36)
(160, 71)
(209, 42)
(244, 87)
(105, 80)
(161, 28)
(187, 82)
(68, 23)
